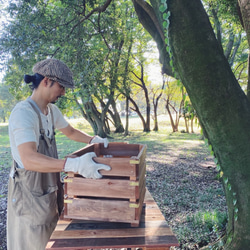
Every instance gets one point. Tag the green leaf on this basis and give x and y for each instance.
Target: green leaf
(236, 217)
(166, 15)
(163, 7)
(165, 24)
(44, 33)
(206, 141)
(226, 180)
(218, 168)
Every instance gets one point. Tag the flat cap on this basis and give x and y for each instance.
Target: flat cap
(55, 70)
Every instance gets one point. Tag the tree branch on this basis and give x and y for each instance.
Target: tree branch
(97, 9)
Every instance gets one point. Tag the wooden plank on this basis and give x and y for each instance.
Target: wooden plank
(117, 149)
(120, 149)
(148, 241)
(141, 201)
(142, 157)
(107, 233)
(154, 248)
(87, 149)
(109, 188)
(103, 210)
(71, 225)
(153, 233)
(122, 154)
(119, 166)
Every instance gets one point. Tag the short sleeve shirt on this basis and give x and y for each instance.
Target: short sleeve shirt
(24, 126)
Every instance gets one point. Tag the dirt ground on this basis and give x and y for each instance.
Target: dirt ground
(183, 181)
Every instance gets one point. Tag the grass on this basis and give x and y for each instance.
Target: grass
(193, 214)
(202, 224)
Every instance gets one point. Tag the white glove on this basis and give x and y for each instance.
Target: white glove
(98, 139)
(85, 166)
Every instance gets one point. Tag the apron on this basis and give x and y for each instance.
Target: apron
(35, 200)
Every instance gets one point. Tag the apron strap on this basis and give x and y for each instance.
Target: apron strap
(42, 131)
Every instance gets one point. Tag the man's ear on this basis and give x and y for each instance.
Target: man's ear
(45, 81)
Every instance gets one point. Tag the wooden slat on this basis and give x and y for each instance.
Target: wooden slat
(122, 154)
(109, 188)
(151, 241)
(87, 149)
(107, 233)
(119, 166)
(114, 148)
(103, 210)
(120, 149)
(153, 233)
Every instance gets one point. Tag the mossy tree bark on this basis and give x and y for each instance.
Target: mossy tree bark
(222, 107)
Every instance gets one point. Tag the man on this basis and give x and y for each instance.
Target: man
(35, 196)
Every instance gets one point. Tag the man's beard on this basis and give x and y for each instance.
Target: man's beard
(53, 102)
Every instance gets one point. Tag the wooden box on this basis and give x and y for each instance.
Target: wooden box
(119, 195)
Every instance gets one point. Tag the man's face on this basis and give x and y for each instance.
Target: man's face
(56, 91)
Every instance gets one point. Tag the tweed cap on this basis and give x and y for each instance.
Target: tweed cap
(55, 70)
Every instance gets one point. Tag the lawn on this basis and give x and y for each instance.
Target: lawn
(181, 176)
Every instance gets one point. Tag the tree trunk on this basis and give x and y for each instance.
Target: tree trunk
(90, 113)
(153, 23)
(117, 119)
(245, 15)
(127, 117)
(156, 100)
(143, 86)
(192, 125)
(186, 123)
(173, 124)
(156, 127)
(221, 105)
(147, 128)
(137, 110)
(248, 78)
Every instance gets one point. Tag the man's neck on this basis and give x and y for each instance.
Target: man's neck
(41, 103)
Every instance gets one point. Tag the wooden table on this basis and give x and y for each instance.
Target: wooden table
(153, 232)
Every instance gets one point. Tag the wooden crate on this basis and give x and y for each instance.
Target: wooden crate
(119, 195)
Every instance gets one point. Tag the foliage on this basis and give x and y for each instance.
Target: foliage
(7, 102)
(93, 44)
(228, 9)
(230, 35)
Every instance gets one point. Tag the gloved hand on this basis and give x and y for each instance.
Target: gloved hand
(98, 139)
(85, 166)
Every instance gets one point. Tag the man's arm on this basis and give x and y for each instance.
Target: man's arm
(76, 135)
(34, 161)
(83, 165)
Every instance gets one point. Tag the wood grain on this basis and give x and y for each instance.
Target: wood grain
(153, 232)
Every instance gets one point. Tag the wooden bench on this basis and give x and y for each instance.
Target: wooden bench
(153, 232)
